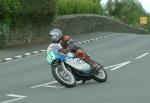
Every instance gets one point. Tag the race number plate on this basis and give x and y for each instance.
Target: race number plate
(51, 57)
(79, 61)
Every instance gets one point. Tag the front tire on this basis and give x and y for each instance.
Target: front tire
(65, 78)
(100, 76)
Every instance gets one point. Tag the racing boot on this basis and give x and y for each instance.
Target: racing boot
(95, 66)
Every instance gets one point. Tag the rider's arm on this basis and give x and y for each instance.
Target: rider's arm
(53, 46)
(67, 42)
(73, 47)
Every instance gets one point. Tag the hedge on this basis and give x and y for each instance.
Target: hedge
(24, 15)
(79, 6)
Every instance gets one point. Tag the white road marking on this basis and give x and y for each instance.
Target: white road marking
(35, 52)
(121, 65)
(87, 40)
(42, 50)
(79, 81)
(83, 41)
(42, 85)
(97, 39)
(100, 37)
(27, 54)
(18, 56)
(18, 97)
(110, 66)
(8, 59)
(111, 35)
(141, 56)
(116, 34)
(51, 86)
(104, 36)
(92, 39)
(117, 66)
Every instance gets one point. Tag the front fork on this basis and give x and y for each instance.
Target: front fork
(64, 67)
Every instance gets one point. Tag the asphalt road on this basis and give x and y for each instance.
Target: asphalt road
(126, 59)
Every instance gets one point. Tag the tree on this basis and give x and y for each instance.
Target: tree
(8, 8)
(38, 7)
(128, 11)
(148, 25)
(19, 14)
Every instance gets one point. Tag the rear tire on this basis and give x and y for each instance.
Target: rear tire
(100, 76)
(65, 78)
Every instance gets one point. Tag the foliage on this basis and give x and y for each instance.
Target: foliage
(128, 11)
(79, 6)
(148, 25)
(8, 8)
(38, 7)
(20, 12)
(33, 12)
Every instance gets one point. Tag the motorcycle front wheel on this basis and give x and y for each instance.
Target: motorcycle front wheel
(64, 77)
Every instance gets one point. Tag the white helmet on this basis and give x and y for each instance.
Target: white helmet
(56, 34)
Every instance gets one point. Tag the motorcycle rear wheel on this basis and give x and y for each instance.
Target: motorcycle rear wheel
(100, 76)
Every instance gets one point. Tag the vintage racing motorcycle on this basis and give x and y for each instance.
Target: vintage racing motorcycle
(67, 69)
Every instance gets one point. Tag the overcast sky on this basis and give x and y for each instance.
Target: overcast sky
(145, 3)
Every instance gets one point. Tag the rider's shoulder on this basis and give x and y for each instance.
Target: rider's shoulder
(66, 38)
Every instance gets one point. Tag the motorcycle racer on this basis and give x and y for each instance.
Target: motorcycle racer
(66, 44)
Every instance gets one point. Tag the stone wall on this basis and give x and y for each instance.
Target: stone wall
(78, 24)
(70, 24)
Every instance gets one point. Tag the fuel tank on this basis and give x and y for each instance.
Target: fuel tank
(79, 65)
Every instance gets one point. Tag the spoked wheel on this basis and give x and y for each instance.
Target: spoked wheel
(100, 76)
(64, 77)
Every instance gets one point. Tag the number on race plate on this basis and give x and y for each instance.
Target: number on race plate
(51, 57)
(79, 61)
